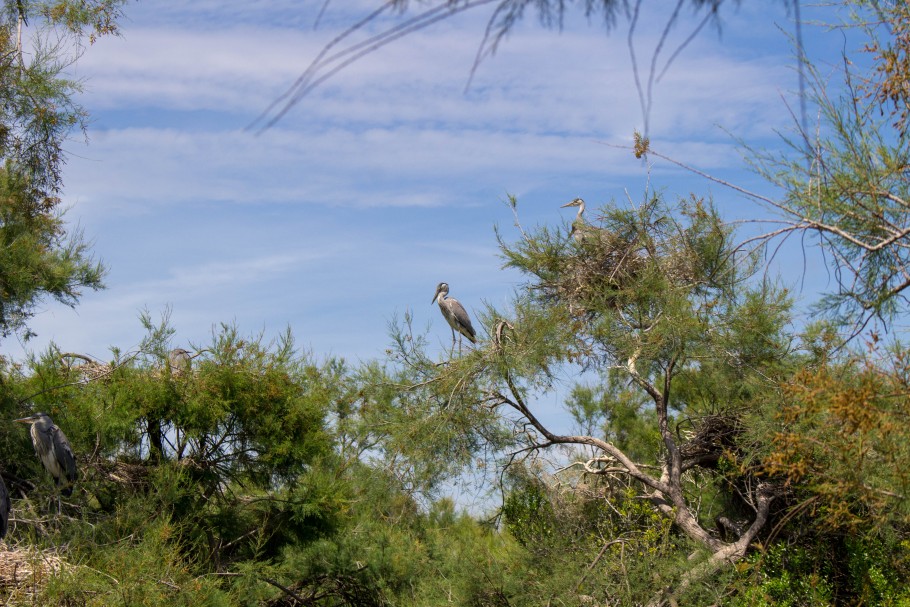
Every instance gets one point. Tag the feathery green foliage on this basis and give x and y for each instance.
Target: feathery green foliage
(705, 451)
(40, 256)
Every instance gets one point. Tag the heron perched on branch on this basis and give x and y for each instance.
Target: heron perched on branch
(54, 451)
(578, 224)
(455, 314)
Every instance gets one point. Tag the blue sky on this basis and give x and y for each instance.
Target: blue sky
(389, 178)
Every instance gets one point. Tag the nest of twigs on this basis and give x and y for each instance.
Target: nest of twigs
(328, 590)
(90, 369)
(609, 268)
(708, 438)
(606, 265)
(24, 573)
(612, 266)
(124, 473)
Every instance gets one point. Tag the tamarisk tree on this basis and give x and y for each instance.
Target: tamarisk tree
(658, 307)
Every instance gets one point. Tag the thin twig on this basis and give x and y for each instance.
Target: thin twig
(595, 561)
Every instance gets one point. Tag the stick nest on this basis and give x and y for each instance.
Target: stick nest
(709, 437)
(607, 264)
(326, 590)
(88, 368)
(24, 572)
(127, 474)
(612, 268)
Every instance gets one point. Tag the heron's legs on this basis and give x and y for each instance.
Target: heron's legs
(459, 341)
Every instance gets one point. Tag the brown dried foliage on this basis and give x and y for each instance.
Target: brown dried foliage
(843, 438)
(891, 82)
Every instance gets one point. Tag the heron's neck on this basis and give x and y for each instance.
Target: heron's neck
(581, 209)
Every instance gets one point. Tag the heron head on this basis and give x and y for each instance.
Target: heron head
(578, 202)
(33, 419)
(440, 288)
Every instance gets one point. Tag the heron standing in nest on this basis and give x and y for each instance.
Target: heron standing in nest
(179, 361)
(578, 224)
(455, 315)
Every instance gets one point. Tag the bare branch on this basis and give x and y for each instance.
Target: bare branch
(328, 66)
(633, 470)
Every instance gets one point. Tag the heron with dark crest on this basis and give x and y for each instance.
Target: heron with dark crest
(578, 224)
(455, 314)
(54, 451)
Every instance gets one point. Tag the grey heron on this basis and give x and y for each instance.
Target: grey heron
(578, 223)
(54, 451)
(179, 361)
(454, 313)
(4, 509)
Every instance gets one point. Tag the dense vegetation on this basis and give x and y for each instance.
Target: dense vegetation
(721, 453)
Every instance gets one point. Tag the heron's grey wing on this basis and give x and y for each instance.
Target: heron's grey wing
(4, 508)
(461, 316)
(64, 454)
(178, 358)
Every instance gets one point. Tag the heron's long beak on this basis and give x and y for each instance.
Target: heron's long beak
(569, 204)
(25, 420)
(435, 296)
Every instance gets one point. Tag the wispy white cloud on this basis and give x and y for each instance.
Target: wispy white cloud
(538, 103)
(538, 82)
(380, 184)
(399, 167)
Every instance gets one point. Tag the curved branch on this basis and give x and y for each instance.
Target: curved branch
(674, 467)
(633, 469)
(724, 553)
